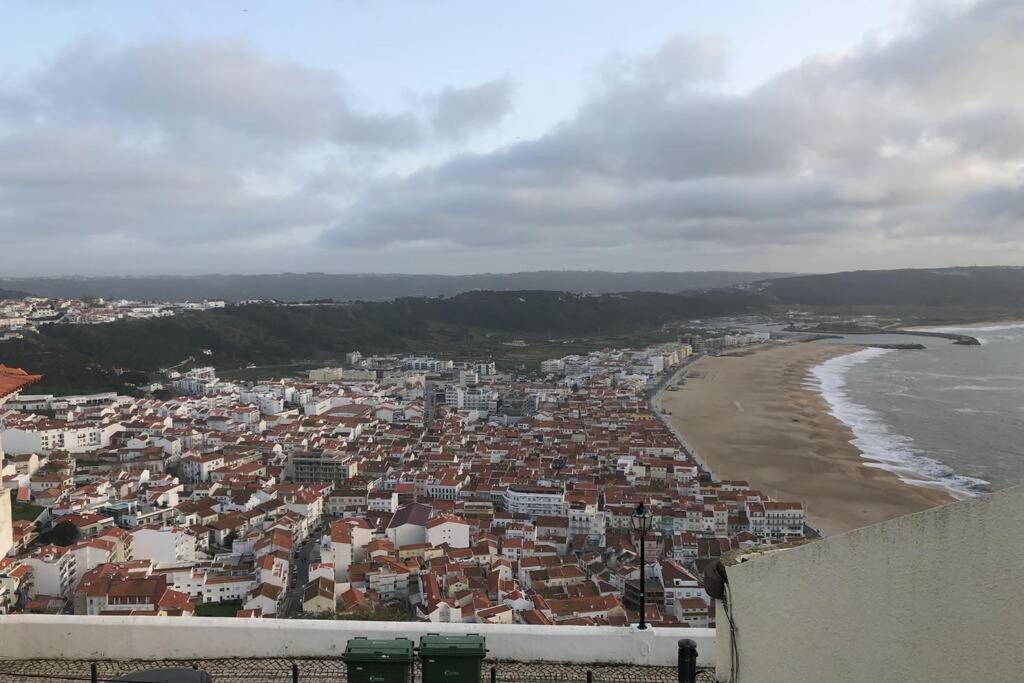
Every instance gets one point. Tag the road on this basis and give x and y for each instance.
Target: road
(292, 603)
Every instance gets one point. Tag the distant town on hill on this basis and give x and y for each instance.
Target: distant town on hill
(83, 357)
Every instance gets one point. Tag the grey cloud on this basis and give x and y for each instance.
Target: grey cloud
(881, 144)
(183, 88)
(81, 183)
(458, 112)
(174, 141)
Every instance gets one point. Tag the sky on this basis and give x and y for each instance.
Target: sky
(462, 137)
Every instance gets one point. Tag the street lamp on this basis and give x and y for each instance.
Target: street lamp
(640, 520)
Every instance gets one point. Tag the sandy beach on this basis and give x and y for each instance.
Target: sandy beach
(749, 416)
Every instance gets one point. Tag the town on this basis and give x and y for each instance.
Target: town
(402, 488)
(18, 316)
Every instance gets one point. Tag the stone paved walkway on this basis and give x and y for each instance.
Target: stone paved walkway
(320, 671)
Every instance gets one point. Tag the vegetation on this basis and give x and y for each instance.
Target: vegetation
(218, 609)
(28, 512)
(122, 355)
(945, 288)
(283, 339)
(350, 287)
(62, 534)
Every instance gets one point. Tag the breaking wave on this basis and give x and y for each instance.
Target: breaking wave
(876, 441)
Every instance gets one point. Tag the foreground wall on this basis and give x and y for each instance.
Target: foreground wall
(933, 596)
(73, 637)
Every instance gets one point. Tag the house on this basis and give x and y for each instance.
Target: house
(265, 597)
(163, 544)
(318, 597)
(108, 589)
(448, 529)
(408, 525)
(602, 607)
(501, 614)
(53, 571)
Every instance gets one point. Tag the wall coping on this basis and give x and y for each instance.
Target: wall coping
(32, 636)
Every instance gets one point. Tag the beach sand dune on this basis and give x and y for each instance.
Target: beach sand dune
(750, 416)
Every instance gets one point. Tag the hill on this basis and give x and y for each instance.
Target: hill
(351, 287)
(948, 288)
(12, 294)
(95, 357)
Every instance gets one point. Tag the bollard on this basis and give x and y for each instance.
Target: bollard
(93, 674)
(295, 673)
(494, 674)
(590, 676)
(687, 661)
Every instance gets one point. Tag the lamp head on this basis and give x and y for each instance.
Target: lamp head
(640, 518)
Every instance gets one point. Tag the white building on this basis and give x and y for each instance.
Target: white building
(326, 375)
(165, 545)
(37, 434)
(553, 366)
(535, 501)
(53, 571)
(471, 398)
(408, 525)
(447, 529)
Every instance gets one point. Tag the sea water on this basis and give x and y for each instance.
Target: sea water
(950, 416)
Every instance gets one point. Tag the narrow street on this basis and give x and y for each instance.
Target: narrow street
(292, 604)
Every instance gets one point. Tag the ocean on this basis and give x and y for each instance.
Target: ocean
(949, 416)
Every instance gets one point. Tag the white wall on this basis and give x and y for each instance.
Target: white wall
(163, 545)
(30, 636)
(455, 535)
(931, 597)
(20, 441)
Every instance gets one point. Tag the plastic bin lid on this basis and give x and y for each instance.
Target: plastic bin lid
(366, 650)
(437, 645)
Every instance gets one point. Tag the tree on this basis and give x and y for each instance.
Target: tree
(62, 534)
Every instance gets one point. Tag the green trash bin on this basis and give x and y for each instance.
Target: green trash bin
(452, 659)
(378, 661)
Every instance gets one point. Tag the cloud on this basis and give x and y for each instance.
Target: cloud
(886, 154)
(881, 144)
(170, 141)
(185, 89)
(459, 112)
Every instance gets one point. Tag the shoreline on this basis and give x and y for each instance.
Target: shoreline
(755, 416)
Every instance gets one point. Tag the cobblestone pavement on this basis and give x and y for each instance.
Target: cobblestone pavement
(319, 670)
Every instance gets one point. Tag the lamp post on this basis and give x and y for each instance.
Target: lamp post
(640, 520)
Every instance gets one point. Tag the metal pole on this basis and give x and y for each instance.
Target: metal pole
(93, 674)
(590, 676)
(494, 674)
(643, 578)
(687, 661)
(295, 673)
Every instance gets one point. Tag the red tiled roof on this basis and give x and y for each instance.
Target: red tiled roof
(14, 379)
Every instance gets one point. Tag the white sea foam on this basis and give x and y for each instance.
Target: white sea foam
(876, 441)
